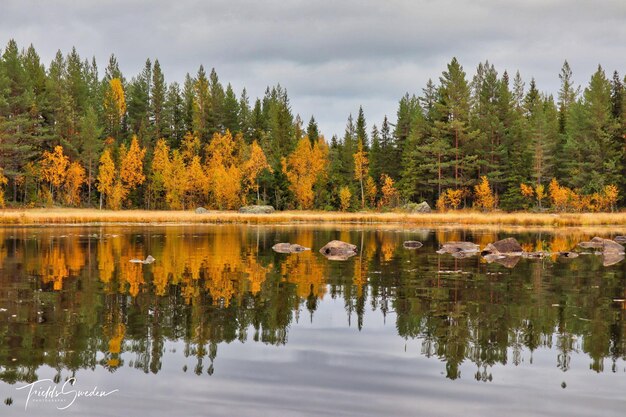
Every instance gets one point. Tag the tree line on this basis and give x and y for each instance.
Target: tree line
(69, 136)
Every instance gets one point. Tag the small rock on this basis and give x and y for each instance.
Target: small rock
(149, 259)
(504, 246)
(256, 209)
(459, 249)
(422, 207)
(567, 254)
(336, 250)
(606, 245)
(289, 248)
(504, 260)
(201, 210)
(620, 239)
(412, 244)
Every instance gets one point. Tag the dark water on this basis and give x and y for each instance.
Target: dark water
(222, 325)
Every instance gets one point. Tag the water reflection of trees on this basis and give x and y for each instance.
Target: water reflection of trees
(76, 301)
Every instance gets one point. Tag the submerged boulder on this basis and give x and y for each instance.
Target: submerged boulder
(504, 246)
(459, 249)
(611, 258)
(289, 248)
(256, 209)
(620, 239)
(504, 260)
(412, 244)
(605, 245)
(336, 250)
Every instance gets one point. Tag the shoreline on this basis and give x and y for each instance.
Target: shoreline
(460, 218)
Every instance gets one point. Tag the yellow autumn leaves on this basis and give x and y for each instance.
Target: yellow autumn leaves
(565, 199)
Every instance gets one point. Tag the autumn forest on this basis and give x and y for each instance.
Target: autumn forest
(71, 135)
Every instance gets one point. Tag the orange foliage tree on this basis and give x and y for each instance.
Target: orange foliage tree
(304, 167)
(255, 164)
(389, 192)
(450, 198)
(370, 191)
(176, 181)
(344, 198)
(483, 196)
(3, 182)
(131, 167)
(106, 176)
(74, 180)
(114, 105)
(224, 175)
(54, 168)
(361, 169)
(611, 194)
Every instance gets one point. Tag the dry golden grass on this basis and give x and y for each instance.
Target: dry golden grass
(452, 218)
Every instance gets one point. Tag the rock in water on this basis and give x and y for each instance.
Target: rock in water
(620, 239)
(201, 210)
(504, 260)
(289, 248)
(149, 259)
(412, 244)
(336, 250)
(256, 209)
(459, 249)
(504, 246)
(606, 245)
(612, 258)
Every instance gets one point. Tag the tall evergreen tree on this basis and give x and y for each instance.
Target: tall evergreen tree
(231, 111)
(312, 131)
(158, 97)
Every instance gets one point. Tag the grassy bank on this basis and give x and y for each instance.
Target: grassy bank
(86, 216)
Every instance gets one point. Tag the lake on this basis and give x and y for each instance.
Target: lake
(222, 325)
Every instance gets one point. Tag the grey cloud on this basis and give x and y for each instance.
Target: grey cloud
(331, 56)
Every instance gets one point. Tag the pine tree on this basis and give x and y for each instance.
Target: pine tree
(312, 130)
(231, 111)
(158, 98)
(90, 145)
(201, 107)
(454, 108)
(361, 129)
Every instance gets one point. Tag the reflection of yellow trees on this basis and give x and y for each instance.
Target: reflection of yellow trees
(59, 257)
(115, 333)
(218, 263)
(306, 269)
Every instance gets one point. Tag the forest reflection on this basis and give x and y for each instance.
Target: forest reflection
(71, 298)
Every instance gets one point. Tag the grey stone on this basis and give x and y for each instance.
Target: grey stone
(336, 250)
(289, 248)
(422, 207)
(201, 210)
(459, 249)
(149, 259)
(412, 244)
(605, 245)
(504, 246)
(256, 209)
(620, 239)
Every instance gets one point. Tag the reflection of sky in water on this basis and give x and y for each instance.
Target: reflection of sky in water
(328, 366)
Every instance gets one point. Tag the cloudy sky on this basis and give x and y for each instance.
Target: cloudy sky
(332, 56)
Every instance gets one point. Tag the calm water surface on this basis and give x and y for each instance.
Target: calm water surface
(222, 325)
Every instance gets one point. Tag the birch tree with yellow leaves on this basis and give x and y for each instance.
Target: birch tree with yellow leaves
(304, 167)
